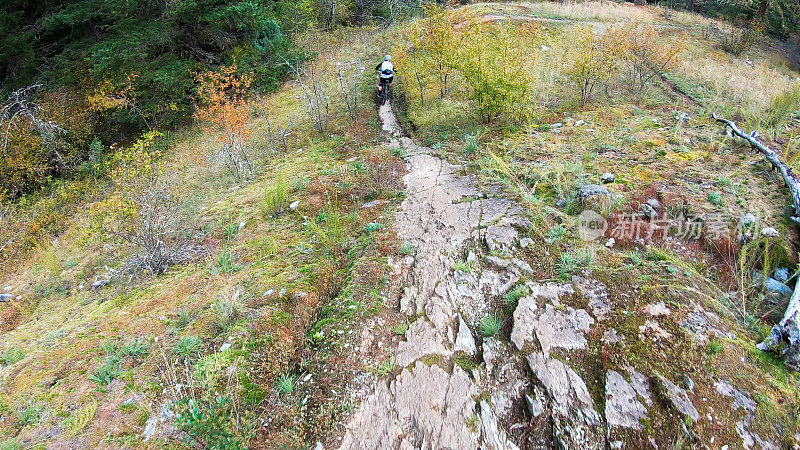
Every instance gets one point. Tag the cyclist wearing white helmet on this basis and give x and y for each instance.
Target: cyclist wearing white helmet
(386, 69)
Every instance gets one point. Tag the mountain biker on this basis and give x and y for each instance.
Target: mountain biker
(386, 69)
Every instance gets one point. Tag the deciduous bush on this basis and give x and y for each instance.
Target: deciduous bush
(142, 214)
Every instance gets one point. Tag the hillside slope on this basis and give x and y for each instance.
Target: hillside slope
(540, 243)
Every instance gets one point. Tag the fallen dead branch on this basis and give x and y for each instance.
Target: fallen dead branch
(788, 329)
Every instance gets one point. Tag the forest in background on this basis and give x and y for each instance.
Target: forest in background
(79, 77)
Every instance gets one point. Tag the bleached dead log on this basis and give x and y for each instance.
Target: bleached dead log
(788, 329)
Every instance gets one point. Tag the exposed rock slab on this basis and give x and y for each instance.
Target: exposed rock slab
(570, 397)
(553, 327)
(423, 408)
(679, 399)
(623, 408)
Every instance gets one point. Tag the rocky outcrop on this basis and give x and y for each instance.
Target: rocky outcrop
(623, 408)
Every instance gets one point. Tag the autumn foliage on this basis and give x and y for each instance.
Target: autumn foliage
(221, 103)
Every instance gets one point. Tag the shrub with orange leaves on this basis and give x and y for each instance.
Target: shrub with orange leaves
(221, 102)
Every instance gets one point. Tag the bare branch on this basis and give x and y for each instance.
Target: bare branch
(788, 329)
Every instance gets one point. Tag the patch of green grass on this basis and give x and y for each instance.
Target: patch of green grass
(715, 198)
(401, 328)
(554, 234)
(472, 423)
(11, 356)
(715, 347)
(286, 384)
(11, 443)
(373, 226)
(188, 347)
(513, 296)
(462, 266)
(29, 415)
(135, 348)
(106, 373)
(471, 144)
(490, 325)
(276, 196)
(385, 367)
(226, 263)
(408, 249)
(570, 262)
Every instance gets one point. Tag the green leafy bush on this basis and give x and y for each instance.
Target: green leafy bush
(212, 423)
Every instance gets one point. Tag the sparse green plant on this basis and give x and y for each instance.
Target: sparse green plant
(570, 262)
(106, 373)
(286, 384)
(29, 414)
(385, 367)
(462, 266)
(471, 144)
(183, 319)
(716, 199)
(513, 296)
(490, 325)
(189, 346)
(11, 356)
(473, 423)
(135, 348)
(230, 231)
(401, 328)
(373, 226)
(555, 233)
(227, 312)
(715, 347)
(407, 249)
(226, 263)
(109, 347)
(276, 196)
(212, 423)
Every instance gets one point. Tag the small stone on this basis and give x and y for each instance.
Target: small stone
(687, 382)
(748, 220)
(654, 203)
(294, 205)
(648, 211)
(782, 275)
(769, 232)
(775, 287)
(224, 347)
(6, 297)
(99, 283)
(535, 404)
(465, 342)
(558, 125)
(593, 190)
(579, 122)
(607, 177)
(610, 243)
(545, 48)
(526, 242)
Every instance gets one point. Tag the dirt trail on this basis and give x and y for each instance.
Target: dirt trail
(429, 405)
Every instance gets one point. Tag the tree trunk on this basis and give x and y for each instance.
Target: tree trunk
(788, 329)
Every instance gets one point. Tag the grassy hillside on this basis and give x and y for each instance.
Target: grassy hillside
(273, 218)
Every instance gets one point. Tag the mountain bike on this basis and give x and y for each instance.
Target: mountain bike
(384, 91)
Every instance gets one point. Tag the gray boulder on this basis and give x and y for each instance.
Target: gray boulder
(607, 177)
(782, 275)
(591, 191)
